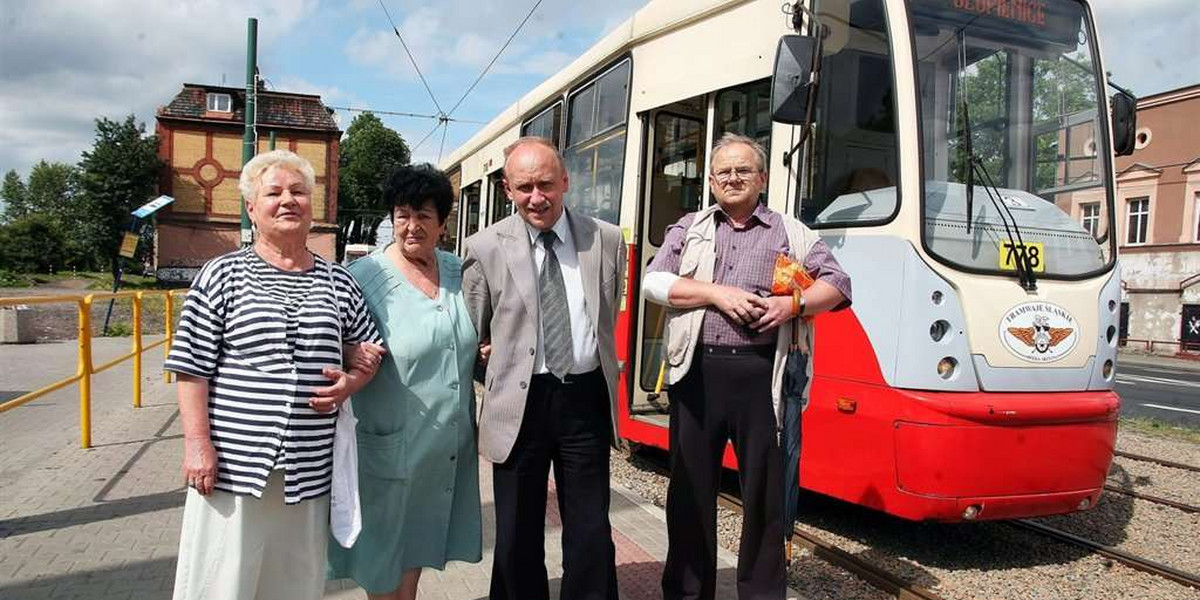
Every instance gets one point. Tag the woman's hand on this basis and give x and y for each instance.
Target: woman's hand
(485, 351)
(364, 356)
(329, 398)
(199, 464)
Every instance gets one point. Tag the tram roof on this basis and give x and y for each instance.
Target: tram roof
(656, 18)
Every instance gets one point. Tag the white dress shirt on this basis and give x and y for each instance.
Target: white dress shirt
(583, 331)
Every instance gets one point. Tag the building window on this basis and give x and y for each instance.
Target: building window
(220, 103)
(1091, 218)
(1139, 220)
(1196, 215)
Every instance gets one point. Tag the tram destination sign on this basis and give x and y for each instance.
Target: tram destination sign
(1023, 22)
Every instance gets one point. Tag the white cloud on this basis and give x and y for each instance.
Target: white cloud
(66, 63)
(1150, 46)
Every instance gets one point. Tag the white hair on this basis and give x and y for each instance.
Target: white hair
(254, 170)
(731, 138)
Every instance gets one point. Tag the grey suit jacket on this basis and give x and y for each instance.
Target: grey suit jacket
(501, 291)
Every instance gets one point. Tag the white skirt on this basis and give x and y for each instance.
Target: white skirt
(237, 547)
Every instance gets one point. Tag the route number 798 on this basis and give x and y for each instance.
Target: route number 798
(1009, 253)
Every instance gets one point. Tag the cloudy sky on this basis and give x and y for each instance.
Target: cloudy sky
(65, 62)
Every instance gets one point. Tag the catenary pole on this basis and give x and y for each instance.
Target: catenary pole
(248, 138)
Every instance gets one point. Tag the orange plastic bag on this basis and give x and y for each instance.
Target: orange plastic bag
(789, 275)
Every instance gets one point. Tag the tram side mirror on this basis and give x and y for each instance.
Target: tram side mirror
(1124, 123)
(793, 86)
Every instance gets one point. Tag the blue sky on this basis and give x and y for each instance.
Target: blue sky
(65, 62)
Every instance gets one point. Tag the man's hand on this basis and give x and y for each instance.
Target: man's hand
(199, 464)
(363, 356)
(738, 304)
(779, 311)
(485, 351)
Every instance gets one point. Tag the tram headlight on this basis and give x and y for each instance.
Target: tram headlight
(946, 367)
(1107, 370)
(1111, 333)
(971, 512)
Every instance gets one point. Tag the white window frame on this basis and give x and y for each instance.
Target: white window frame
(212, 102)
(1090, 222)
(1130, 230)
(1196, 216)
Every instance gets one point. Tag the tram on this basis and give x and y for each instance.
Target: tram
(957, 161)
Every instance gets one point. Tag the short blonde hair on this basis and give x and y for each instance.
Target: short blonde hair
(254, 170)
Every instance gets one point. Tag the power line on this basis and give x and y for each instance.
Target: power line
(495, 58)
(402, 114)
(411, 59)
(443, 146)
(431, 132)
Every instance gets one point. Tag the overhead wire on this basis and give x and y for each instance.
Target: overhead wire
(495, 58)
(427, 136)
(401, 114)
(442, 148)
(411, 59)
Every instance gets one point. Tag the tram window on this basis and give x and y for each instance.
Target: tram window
(546, 124)
(470, 200)
(595, 155)
(854, 178)
(746, 110)
(501, 205)
(677, 182)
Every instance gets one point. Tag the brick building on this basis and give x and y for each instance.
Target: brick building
(1158, 223)
(200, 133)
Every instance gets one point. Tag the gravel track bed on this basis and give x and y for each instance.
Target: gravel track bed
(1149, 530)
(1165, 449)
(814, 578)
(1155, 480)
(982, 561)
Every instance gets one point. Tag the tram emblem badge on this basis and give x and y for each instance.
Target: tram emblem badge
(1039, 331)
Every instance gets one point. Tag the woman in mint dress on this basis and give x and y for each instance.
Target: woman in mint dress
(417, 462)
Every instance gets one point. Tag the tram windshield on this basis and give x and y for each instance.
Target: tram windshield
(1014, 150)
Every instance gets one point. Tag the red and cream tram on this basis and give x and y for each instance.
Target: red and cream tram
(958, 165)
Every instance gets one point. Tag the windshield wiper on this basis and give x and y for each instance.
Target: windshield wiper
(974, 164)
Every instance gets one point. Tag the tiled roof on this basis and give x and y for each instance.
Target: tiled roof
(281, 109)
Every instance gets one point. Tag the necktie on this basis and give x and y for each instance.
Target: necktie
(556, 317)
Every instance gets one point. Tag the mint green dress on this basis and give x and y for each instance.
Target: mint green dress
(417, 464)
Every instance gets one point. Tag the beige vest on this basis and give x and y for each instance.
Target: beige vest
(683, 325)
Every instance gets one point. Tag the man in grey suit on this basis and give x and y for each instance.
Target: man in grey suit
(544, 286)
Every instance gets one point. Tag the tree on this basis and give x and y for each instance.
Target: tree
(118, 174)
(30, 244)
(368, 154)
(13, 192)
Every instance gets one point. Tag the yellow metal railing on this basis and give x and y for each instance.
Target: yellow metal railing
(84, 366)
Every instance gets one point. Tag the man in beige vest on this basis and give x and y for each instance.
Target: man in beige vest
(726, 344)
(544, 285)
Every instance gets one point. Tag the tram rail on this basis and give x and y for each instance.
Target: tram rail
(1157, 461)
(1134, 561)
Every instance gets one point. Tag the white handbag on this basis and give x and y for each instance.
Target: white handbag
(345, 510)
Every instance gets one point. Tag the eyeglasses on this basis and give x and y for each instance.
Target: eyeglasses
(743, 173)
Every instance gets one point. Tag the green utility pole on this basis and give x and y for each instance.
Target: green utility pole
(248, 141)
(272, 147)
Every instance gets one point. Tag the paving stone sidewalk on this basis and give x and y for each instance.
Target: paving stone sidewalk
(103, 523)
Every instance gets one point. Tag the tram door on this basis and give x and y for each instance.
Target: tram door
(674, 179)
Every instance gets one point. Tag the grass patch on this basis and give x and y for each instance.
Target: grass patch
(1160, 429)
(9, 279)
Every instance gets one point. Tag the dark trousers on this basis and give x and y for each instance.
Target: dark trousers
(567, 425)
(725, 396)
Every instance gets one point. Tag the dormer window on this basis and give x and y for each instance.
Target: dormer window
(219, 102)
